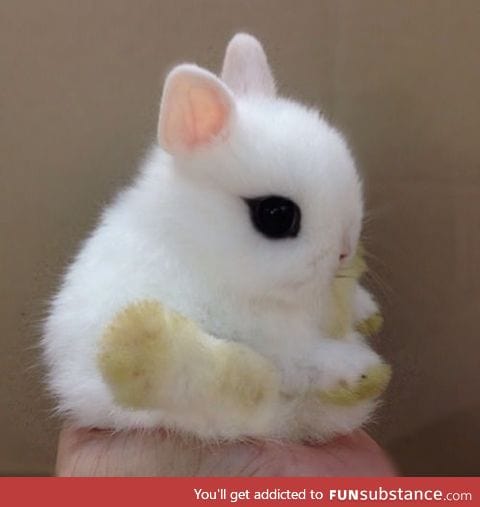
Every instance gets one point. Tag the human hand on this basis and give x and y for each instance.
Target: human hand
(83, 452)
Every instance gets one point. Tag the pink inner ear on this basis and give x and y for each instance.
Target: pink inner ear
(206, 115)
(195, 110)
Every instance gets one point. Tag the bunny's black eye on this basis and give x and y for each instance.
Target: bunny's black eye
(274, 216)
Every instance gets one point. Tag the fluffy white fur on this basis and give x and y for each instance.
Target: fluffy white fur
(181, 234)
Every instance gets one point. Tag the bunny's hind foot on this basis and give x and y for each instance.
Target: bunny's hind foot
(153, 358)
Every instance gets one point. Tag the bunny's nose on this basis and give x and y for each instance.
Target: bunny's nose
(345, 248)
(344, 253)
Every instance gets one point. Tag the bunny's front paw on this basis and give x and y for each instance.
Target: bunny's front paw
(371, 325)
(345, 372)
(368, 385)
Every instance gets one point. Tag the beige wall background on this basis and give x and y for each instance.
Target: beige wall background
(79, 88)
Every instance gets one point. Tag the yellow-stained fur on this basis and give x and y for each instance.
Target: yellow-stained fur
(370, 385)
(344, 283)
(149, 354)
(370, 326)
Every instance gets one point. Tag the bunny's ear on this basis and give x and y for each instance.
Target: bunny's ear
(245, 67)
(196, 108)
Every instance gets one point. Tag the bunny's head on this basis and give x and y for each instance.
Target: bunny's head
(263, 194)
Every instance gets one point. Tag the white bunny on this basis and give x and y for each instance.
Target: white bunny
(239, 222)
